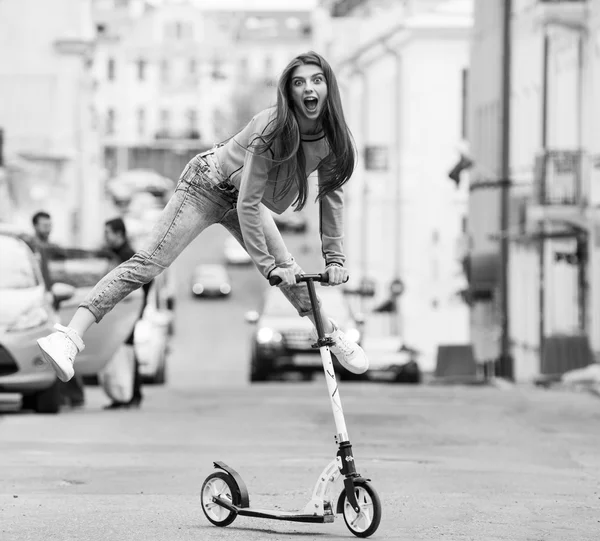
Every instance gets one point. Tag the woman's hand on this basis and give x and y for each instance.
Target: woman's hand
(287, 275)
(337, 275)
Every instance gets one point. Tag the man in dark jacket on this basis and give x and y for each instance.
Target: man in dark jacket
(115, 235)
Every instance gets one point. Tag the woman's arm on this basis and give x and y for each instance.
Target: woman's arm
(252, 188)
(331, 227)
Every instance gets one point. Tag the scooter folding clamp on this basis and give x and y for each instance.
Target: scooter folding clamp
(327, 341)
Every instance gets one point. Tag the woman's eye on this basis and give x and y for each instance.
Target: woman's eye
(318, 80)
(297, 82)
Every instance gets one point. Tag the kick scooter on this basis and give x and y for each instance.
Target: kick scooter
(224, 494)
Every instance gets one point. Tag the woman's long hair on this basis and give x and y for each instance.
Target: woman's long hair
(282, 138)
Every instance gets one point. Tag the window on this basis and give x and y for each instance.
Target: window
(192, 118)
(192, 66)
(141, 122)
(178, 30)
(165, 120)
(268, 65)
(464, 102)
(111, 69)
(110, 121)
(164, 71)
(141, 69)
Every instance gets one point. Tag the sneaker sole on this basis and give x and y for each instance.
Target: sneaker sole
(353, 369)
(62, 376)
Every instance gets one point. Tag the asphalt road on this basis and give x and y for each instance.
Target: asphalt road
(450, 463)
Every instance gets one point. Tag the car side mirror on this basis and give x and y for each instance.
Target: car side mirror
(252, 316)
(62, 292)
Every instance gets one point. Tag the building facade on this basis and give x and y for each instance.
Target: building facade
(189, 74)
(402, 67)
(47, 113)
(552, 288)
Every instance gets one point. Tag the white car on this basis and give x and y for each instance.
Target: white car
(26, 314)
(83, 269)
(152, 337)
(210, 280)
(235, 254)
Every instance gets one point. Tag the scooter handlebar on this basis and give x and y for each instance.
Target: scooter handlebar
(321, 277)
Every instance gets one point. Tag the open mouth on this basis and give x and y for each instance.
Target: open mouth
(311, 104)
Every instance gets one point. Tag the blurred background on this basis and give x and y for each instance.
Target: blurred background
(473, 221)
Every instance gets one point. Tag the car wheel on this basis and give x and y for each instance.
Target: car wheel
(259, 368)
(160, 378)
(46, 401)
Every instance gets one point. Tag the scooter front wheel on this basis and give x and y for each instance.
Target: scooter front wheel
(223, 485)
(366, 521)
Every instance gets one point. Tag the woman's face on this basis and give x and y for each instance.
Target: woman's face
(309, 94)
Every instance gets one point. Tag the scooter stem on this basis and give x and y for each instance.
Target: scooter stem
(332, 386)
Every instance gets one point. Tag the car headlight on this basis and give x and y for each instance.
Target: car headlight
(353, 335)
(266, 335)
(198, 289)
(32, 318)
(225, 288)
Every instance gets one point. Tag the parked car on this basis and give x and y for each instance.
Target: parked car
(152, 337)
(283, 340)
(210, 280)
(83, 269)
(290, 220)
(393, 361)
(235, 254)
(27, 312)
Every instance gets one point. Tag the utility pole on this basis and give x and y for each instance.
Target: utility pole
(506, 364)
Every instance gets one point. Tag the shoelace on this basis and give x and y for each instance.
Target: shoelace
(344, 345)
(71, 349)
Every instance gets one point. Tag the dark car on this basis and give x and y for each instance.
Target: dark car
(283, 340)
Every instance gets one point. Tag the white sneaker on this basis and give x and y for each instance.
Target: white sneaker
(59, 350)
(350, 355)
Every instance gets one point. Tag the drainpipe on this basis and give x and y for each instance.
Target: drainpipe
(364, 128)
(506, 361)
(364, 205)
(542, 195)
(397, 325)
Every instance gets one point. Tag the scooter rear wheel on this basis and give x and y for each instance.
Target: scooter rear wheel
(219, 484)
(366, 521)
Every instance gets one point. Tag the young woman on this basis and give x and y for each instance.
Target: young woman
(264, 167)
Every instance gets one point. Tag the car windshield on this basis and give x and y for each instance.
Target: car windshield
(210, 272)
(80, 268)
(17, 267)
(277, 305)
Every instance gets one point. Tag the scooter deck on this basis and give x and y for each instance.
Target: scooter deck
(274, 514)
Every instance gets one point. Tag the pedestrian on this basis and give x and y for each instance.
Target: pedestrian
(263, 167)
(73, 391)
(115, 236)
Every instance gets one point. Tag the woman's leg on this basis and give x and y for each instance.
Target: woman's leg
(190, 210)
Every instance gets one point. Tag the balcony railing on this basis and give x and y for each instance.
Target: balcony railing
(559, 178)
(571, 13)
